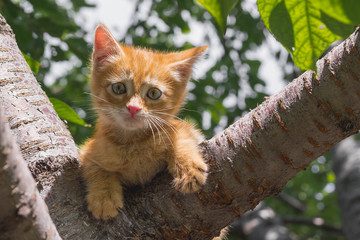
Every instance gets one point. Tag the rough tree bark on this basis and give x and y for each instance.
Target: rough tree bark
(346, 165)
(19, 195)
(43, 138)
(249, 161)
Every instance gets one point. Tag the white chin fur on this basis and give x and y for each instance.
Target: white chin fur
(132, 124)
(125, 122)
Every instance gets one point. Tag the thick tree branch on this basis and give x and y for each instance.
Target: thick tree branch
(43, 138)
(251, 160)
(24, 214)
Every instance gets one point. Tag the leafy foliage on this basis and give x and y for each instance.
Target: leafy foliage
(306, 28)
(66, 112)
(220, 9)
(33, 64)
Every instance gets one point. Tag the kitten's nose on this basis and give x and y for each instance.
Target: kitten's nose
(133, 109)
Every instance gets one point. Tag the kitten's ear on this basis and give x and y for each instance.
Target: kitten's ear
(182, 63)
(105, 46)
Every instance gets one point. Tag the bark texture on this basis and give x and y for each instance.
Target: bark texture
(249, 161)
(346, 165)
(24, 214)
(43, 138)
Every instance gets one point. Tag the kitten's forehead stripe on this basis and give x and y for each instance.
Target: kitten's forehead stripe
(130, 74)
(120, 76)
(126, 74)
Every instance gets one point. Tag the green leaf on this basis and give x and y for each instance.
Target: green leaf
(312, 36)
(33, 64)
(337, 27)
(67, 113)
(351, 8)
(265, 8)
(306, 36)
(219, 9)
(334, 9)
(281, 26)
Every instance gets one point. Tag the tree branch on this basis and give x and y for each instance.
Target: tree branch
(315, 222)
(249, 161)
(292, 202)
(24, 214)
(43, 139)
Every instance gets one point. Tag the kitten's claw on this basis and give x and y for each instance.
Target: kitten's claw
(191, 178)
(202, 170)
(105, 206)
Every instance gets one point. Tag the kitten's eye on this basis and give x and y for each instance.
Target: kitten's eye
(154, 93)
(118, 88)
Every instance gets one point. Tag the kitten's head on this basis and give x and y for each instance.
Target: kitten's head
(134, 88)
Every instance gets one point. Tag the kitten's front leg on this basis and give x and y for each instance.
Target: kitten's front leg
(105, 194)
(188, 167)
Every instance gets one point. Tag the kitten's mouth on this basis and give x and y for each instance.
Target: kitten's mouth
(134, 122)
(133, 118)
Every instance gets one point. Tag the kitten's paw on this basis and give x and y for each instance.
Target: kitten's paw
(191, 178)
(106, 205)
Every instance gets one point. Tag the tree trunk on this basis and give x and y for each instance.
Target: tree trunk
(346, 165)
(249, 161)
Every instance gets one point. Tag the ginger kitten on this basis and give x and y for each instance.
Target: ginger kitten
(137, 93)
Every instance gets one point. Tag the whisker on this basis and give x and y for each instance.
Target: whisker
(167, 123)
(168, 108)
(157, 129)
(102, 99)
(164, 130)
(105, 110)
(152, 131)
(190, 110)
(167, 114)
(180, 109)
(108, 110)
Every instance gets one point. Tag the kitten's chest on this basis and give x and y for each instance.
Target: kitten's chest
(138, 163)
